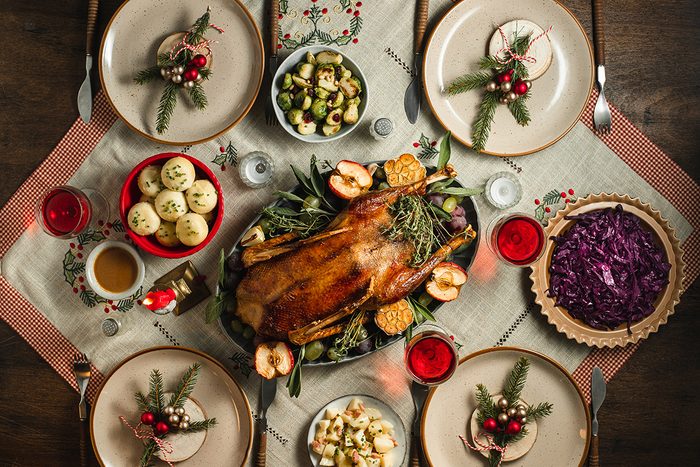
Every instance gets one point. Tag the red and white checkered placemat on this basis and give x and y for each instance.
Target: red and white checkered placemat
(635, 149)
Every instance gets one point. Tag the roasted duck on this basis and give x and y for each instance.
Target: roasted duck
(299, 290)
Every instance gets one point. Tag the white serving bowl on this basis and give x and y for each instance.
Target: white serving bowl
(90, 270)
(289, 66)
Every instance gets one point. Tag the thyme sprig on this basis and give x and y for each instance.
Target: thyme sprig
(352, 335)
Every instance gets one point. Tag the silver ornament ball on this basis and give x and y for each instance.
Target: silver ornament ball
(511, 96)
(185, 418)
(183, 425)
(520, 407)
(180, 411)
(177, 79)
(528, 83)
(503, 100)
(188, 84)
(174, 419)
(166, 73)
(169, 410)
(506, 86)
(511, 412)
(178, 70)
(502, 418)
(523, 420)
(503, 403)
(521, 413)
(491, 86)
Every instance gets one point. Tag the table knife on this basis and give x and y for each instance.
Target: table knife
(411, 100)
(597, 398)
(419, 392)
(85, 92)
(268, 389)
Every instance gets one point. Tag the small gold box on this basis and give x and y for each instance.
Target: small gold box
(187, 284)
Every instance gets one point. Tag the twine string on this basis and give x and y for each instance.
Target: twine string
(489, 446)
(512, 54)
(202, 45)
(143, 433)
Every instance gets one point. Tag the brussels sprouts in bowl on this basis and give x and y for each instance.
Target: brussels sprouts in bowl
(319, 94)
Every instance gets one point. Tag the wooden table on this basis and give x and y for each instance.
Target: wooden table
(649, 415)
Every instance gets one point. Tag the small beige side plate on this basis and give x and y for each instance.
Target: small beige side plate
(228, 443)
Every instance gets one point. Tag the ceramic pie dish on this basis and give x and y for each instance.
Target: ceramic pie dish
(216, 392)
(665, 303)
(131, 41)
(559, 97)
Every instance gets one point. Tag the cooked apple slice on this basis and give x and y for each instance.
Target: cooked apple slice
(349, 180)
(273, 359)
(446, 281)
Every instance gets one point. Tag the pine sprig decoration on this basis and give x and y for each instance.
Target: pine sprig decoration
(155, 392)
(147, 457)
(142, 401)
(185, 386)
(166, 107)
(518, 109)
(147, 75)
(469, 82)
(484, 119)
(199, 99)
(516, 380)
(541, 410)
(201, 425)
(487, 408)
(199, 28)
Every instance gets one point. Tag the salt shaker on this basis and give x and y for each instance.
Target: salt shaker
(381, 128)
(256, 169)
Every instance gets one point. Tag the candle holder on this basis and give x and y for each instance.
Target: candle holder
(186, 285)
(503, 190)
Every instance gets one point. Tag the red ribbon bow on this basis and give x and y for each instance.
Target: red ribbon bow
(491, 446)
(141, 432)
(512, 54)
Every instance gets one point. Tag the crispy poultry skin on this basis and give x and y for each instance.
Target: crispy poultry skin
(350, 265)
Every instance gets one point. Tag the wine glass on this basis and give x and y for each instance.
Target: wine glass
(66, 212)
(517, 239)
(431, 356)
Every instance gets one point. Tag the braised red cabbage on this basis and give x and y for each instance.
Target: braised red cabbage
(607, 269)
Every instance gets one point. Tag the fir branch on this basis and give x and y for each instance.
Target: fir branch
(164, 59)
(469, 82)
(147, 75)
(168, 100)
(519, 109)
(484, 119)
(199, 29)
(141, 401)
(201, 425)
(489, 62)
(516, 380)
(155, 392)
(185, 386)
(199, 99)
(205, 72)
(149, 449)
(541, 410)
(486, 406)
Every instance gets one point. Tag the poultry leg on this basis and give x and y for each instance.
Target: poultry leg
(265, 254)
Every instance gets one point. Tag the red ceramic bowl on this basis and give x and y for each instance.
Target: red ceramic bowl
(130, 195)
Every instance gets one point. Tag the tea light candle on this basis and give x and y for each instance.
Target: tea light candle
(160, 301)
(503, 190)
(256, 169)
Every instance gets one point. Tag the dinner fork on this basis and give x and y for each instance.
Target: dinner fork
(270, 116)
(81, 368)
(601, 114)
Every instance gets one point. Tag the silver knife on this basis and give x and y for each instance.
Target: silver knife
(411, 100)
(419, 392)
(597, 398)
(85, 92)
(268, 389)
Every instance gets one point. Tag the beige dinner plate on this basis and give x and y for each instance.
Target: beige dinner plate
(218, 394)
(130, 44)
(558, 99)
(665, 304)
(562, 437)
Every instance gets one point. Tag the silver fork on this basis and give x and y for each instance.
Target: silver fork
(270, 116)
(81, 369)
(601, 114)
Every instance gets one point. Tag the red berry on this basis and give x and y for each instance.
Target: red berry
(279, 46)
(109, 225)
(348, 11)
(80, 255)
(139, 302)
(72, 245)
(434, 143)
(490, 425)
(81, 279)
(222, 149)
(147, 418)
(161, 428)
(563, 194)
(223, 167)
(345, 32)
(106, 310)
(110, 302)
(280, 16)
(80, 247)
(358, 4)
(75, 290)
(336, 118)
(537, 201)
(106, 232)
(314, 1)
(567, 200)
(82, 287)
(354, 41)
(287, 36)
(357, 13)
(547, 209)
(191, 74)
(513, 428)
(510, 72)
(571, 191)
(100, 223)
(324, 11)
(114, 307)
(306, 12)
(415, 145)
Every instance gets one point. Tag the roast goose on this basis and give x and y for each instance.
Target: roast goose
(299, 290)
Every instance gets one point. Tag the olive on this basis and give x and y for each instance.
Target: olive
(364, 346)
(312, 202)
(449, 204)
(379, 173)
(236, 326)
(314, 350)
(332, 354)
(383, 186)
(425, 299)
(362, 333)
(248, 332)
(265, 225)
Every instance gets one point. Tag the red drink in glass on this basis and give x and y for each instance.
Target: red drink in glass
(517, 239)
(64, 212)
(431, 357)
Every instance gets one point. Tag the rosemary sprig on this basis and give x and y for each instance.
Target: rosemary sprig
(305, 223)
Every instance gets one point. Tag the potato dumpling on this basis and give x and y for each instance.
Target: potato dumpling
(166, 234)
(147, 199)
(202, 196)
(170, 205)
(143, 219)
(192, 229)
(177, 174)
(208, 216)
(149, 181)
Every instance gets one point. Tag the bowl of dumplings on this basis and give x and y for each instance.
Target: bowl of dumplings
(172, 205)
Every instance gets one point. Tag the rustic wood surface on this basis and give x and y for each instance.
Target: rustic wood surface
(648, 418)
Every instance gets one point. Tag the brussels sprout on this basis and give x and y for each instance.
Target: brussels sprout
(336, 100)
(310, 58)
(302, 100)
(329, 57)
(328, 85)
(301, 82)
(335, 117)
(350, 86)
(295, 116)
(319, 109)
(321, 93)
(284, 100)
(346, 74)
(354, 101)
(287, 83)
(325, 72)
(305, 70)
(306, 128)
(330, 129)
(351, 115)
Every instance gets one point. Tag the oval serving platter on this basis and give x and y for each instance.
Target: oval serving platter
(464, 258)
